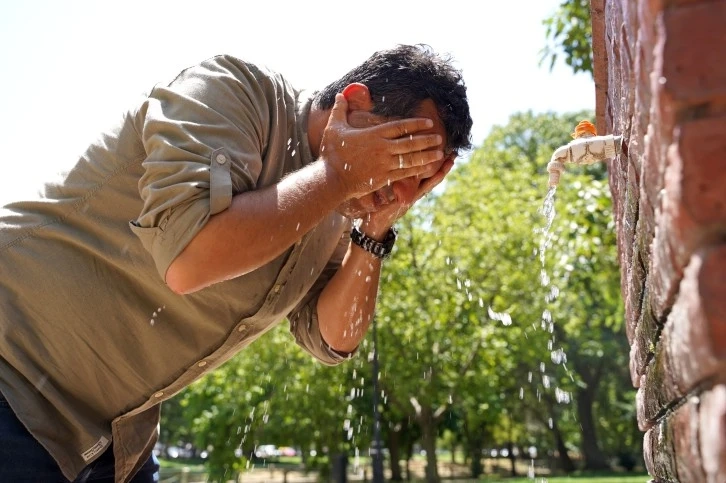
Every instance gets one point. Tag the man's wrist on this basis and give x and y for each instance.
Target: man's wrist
(377, 231)
(379, 248)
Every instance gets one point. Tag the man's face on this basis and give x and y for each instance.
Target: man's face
(403, 191)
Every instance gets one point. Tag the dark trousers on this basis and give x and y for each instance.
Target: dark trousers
(24, 459)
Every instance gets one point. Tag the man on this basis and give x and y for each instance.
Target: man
(221, 205)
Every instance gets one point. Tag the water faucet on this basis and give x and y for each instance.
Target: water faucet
(585, 148)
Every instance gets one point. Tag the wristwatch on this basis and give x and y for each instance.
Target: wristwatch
(380, 249)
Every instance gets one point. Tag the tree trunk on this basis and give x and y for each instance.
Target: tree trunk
(428, 441)
(409, 456)
(594, 457)
(566, 463)
(475, 449)
(394, 448)
(512, 458)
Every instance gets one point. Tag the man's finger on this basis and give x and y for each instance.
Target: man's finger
(340, 110)
(403, 127)
(413, 143)
(418, 159)
(429, 184)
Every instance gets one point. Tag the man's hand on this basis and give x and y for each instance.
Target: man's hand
(377, 223)
(363, 160)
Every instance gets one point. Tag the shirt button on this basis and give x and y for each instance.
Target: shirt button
(202, 363)
(241, 328)
(159, 394)
(221, 158)
(277, 288)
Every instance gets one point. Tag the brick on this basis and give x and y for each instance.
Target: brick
(645, 339)
(636, 379)
(712, 284)
(635, 286)
(629, 21)
(713, 433)
(695, 208)
(654, 6)
(663, 109)
(686, 438)
(693, 337)
(664, 275)
(646, 33)
(637, 278)
(652, 170)
(635, 141)
(632, 308)
(678, 3)
(643, 95)
(627, 80)
(613, 23)
(694, 69)
(702, 147)
(657, 390)
(630, 215)
(600, 71)
(658, 453)
(618, 183)
(644, 232)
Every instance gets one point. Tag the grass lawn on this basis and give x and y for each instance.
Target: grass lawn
(179, 464)
(644, 478)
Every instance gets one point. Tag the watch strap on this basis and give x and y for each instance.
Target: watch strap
(379, 249)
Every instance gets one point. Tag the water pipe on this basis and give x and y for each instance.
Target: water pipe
(586, 148)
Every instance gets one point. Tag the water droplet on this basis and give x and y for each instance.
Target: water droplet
(503, 317)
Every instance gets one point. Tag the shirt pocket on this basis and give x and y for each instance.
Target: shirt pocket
(220, 181)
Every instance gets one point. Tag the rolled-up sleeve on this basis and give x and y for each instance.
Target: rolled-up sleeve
(304, 324)
(203, 135)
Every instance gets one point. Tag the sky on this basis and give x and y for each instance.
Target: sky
(70, 67)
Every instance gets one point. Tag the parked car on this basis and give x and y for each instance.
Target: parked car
(266, 451)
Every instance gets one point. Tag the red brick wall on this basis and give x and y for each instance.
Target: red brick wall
(660, 76)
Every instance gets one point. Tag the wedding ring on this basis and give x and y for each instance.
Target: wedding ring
(400, 160)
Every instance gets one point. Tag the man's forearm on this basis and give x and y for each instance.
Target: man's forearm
(347, 303)
(257, 227)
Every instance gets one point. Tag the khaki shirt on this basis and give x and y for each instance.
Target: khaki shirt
(92, 338)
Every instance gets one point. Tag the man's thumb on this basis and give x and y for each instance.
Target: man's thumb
(340, 110)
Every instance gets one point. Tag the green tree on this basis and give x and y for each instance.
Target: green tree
(569, 32)
(274, 393)
(487, 213)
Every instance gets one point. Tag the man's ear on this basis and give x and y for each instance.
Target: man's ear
(358, 97)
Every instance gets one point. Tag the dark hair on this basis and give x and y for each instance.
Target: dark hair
(401, 78)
